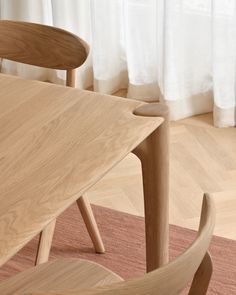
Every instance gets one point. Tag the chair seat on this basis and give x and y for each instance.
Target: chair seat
(63, 274)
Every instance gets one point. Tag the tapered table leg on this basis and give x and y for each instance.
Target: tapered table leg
(153, 153)
(91, 224)
(45, 242)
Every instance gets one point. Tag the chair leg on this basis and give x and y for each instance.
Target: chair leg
(45, 242)
(202, 277)
(90, 222)
(153, 153)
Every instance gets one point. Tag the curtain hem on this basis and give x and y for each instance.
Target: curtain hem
(194, 105)
(224, 117)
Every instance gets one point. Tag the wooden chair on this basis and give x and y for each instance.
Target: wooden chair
(81, 277)
(54, 48)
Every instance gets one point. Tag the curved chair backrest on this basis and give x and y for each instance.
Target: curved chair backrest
(172, 278)
(42, 46)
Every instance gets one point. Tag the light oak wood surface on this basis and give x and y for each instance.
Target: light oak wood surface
(41, 45)
(91, 225)
(58, 275)
(74, 277)
(153, 153)
(56, 142)
(45, 243)
(51, 47)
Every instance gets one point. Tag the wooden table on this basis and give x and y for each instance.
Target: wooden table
(56, 142)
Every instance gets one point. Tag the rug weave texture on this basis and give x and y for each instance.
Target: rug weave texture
(123, 236)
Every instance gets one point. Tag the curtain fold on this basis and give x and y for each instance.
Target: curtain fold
(224, 62)
(181, 52)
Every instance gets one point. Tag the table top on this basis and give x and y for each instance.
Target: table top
(55, 143)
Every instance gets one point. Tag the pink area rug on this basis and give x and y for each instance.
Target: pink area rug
(123, 236)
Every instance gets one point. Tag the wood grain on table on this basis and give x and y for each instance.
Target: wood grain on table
(56, 142)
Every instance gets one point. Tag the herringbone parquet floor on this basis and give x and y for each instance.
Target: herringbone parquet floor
(202, 159)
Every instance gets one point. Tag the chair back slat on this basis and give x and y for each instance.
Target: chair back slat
(41, 45)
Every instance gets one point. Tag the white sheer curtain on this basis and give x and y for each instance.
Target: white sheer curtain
(182, 52)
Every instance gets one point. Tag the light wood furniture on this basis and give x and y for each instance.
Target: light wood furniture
(202, 159)
(81, 277)
(57, 142)
(49, 47)
(154, 156)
